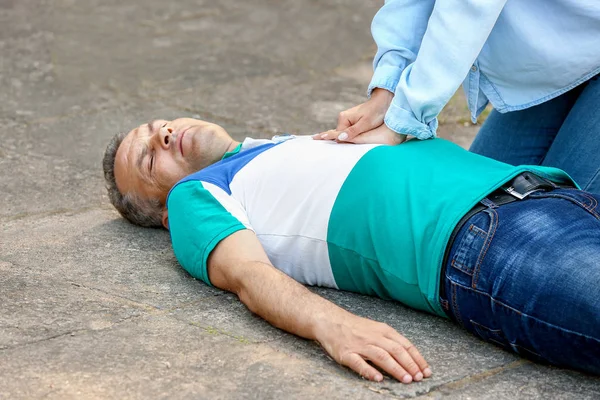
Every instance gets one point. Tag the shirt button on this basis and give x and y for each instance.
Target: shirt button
(473, 68)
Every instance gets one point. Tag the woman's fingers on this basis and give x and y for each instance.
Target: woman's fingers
(380, 135)
(327, 135)
(361, 118)
(346, 119)
(355, 133)
(361, 126)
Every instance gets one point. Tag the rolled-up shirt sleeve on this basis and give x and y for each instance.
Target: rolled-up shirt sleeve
(397, 29)
(453, 38)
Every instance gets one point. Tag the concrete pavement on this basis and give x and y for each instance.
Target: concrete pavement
(92, 307)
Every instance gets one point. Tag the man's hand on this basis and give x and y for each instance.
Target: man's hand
(355, 340)
(360, 119)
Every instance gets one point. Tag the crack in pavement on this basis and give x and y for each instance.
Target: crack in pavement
(131, 302)
(154, 310)
(69, 333)
(460, 383)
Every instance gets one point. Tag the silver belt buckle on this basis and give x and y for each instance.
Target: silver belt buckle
(511, 190)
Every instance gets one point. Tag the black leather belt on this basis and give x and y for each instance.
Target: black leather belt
(518, 188)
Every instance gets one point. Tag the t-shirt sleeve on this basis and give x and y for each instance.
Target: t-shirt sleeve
(200, 216)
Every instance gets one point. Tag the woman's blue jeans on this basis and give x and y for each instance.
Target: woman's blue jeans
(563, 132)
(526, 276)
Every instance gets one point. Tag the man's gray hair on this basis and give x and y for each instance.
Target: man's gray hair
(138, 211)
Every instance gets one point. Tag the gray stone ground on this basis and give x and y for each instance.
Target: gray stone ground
(92, 307)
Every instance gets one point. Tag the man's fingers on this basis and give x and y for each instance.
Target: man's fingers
(404, 357)
(359, 365)
(386, 362)
(423, 366)
(412, 351)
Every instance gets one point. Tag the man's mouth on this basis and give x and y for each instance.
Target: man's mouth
(180, 140)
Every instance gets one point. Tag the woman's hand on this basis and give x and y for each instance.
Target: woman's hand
(360, 119)
(380, 135)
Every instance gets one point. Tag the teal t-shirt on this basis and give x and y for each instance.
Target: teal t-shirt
(363, 218)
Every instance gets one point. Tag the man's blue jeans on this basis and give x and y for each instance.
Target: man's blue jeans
(526, 276)
(563, 132)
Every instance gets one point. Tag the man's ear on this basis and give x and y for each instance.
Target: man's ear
(165, 219)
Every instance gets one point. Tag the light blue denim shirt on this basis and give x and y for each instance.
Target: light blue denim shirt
(514, 54)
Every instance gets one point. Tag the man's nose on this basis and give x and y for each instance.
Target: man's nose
(165, 137)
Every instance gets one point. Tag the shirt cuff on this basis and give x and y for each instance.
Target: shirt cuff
(404, 122)
(385, 77)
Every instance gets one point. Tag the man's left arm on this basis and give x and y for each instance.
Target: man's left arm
(239, 264)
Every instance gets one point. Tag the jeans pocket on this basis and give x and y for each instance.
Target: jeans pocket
(473, 243)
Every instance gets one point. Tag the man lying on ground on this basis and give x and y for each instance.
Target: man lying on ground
(512, 254)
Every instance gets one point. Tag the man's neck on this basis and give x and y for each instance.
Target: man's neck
(232, 149)
(232, 146)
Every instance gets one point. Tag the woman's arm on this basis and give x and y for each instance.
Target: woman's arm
(455, 35)
(397, 28)
(425, 51)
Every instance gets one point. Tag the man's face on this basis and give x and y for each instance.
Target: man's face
(154, 156)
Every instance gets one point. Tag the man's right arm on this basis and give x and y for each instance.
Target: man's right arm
(240, 265)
